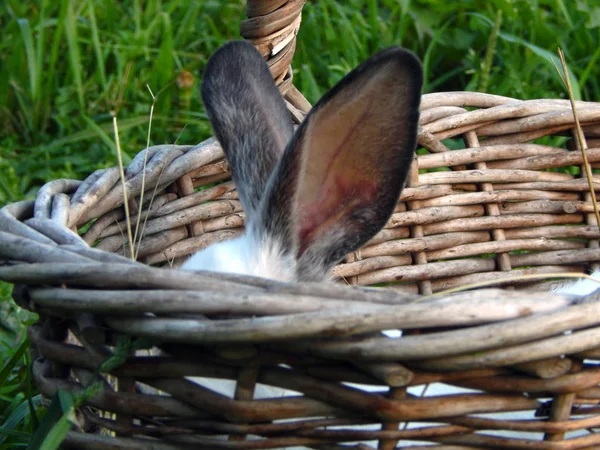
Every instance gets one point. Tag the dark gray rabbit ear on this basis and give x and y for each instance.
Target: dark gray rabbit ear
(248, 116)
(339, 180)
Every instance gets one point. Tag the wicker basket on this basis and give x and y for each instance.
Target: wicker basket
(481, 212)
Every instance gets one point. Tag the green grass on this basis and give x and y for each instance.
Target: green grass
(20, 405)
(66, 66)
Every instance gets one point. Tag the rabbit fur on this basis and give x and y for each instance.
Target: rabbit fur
(580, 287)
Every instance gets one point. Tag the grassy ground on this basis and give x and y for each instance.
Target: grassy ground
(66, 66)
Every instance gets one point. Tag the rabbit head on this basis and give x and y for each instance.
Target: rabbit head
(314, 195)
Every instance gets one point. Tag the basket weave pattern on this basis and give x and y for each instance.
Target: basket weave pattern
(491, 208)
(482, 211)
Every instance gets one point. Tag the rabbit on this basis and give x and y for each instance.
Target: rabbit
(312, 196)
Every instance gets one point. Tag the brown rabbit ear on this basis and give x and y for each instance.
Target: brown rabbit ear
(248, 116)
(340, 178)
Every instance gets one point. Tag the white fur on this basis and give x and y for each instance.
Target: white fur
(581, 287)
(245, 255)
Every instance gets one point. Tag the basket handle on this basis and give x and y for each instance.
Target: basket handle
(272, 26)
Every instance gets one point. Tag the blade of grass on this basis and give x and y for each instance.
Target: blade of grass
(580, 137)
(90, 134)
(25, 110)
(73, 53)
(19, 414)
(137, 18)
(51, 427)
(154, 192)
(545, 54)
(184, 27)
(29, 53)
(489, 54)
(139, 216)
(9, 389)
(96, 43)
(164, 65)
(565, 13)
(124, 184)
(591, 65)
(29, 389)
(429, 52)
(103, 135)
(12, 362)
(537, 50)
(60, 429)
(40, 54)
(352, 52)
(49, 87)
(122, 85)
(310, 87)
(402, 22)
(22, 436)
